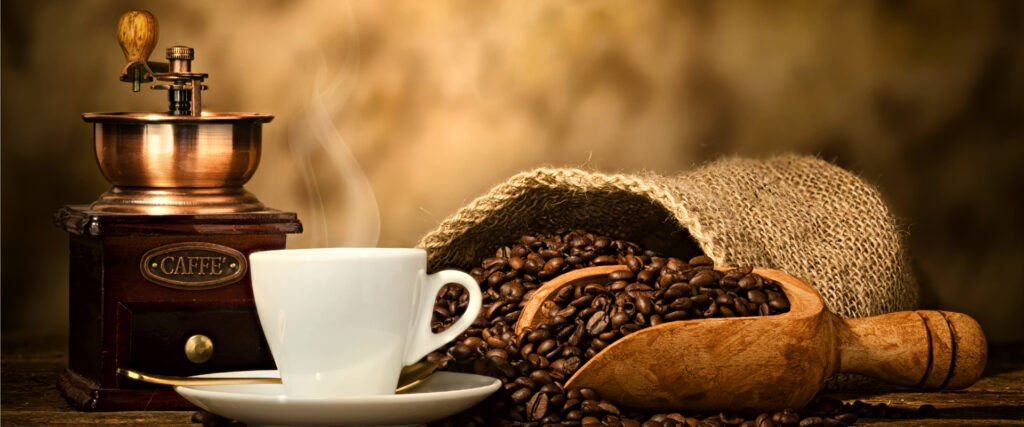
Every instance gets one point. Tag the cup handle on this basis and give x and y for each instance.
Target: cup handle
(424, 340)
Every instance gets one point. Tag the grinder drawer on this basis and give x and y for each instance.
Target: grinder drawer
(176, 341)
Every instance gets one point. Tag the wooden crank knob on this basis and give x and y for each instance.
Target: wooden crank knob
(137, 32)
(927, 349)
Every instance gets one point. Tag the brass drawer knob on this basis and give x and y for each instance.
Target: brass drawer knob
(198, 348)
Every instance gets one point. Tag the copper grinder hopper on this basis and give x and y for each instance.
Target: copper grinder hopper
(184, 160)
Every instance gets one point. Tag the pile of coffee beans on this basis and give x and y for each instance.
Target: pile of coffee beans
(583, 319)
(534, 364)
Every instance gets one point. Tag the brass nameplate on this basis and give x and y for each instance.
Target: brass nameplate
(193, 265)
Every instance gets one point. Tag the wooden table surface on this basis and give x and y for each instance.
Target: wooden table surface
(29, 367)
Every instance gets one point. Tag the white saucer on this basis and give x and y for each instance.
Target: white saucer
(441, 395)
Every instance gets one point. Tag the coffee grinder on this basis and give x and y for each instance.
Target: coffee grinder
(158, 264)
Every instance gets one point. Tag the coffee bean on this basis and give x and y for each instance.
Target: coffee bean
(666, 279)
(554, 264)
(597, 323)
(512, 290)
(493, 310)
(525, 382)
(700, 300)
(461, 352)
(787, 417)
(540, 377)
(587, 312)
(832, 422)
(646, 276)
(629, 328)
(516, 263)
(643, 304)
(635, 290)
(577, 334)
(620, 319)
(741, 308)
(702, 279)
(503, 367)
(777, 301)
(747, 283)
(566, 312)
(608, 408)
(546, 346)
(681, 304)
(724, 299)
(563, 295)
(617, 285)
(494, 262)
(626, 275)
(634, 263)
(589, 394)
(757, 297)
(436, 357)
(537, 406)
(582, 301)
(574, 394)
(537, 361)
(712, 310)
(677, 290)
(557, 321)
(498, 353)
(806, 422)
(701, 260)
(573, 415)
(526, 350)
(551, 388)
(627, 308)
(590, 407)
(609, 336)
(536, 337)
(570, 404)
(495, 279)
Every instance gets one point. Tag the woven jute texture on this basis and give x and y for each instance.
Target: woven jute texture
(798, 214)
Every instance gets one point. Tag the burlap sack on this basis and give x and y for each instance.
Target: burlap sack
(798, 214)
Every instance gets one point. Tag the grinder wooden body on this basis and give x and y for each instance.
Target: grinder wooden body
(772, 362)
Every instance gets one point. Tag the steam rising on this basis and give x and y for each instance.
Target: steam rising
(343, 208)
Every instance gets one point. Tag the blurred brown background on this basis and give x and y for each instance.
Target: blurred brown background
(439, 101)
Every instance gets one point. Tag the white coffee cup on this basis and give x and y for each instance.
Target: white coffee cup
(343, 321)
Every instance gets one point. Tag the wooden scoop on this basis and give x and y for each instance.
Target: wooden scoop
(765, 363)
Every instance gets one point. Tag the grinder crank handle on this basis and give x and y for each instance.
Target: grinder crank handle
(137, 33)
(926, 349)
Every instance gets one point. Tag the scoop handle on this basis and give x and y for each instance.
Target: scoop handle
(926, 349)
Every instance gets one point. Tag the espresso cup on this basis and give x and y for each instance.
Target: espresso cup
(344, 321)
